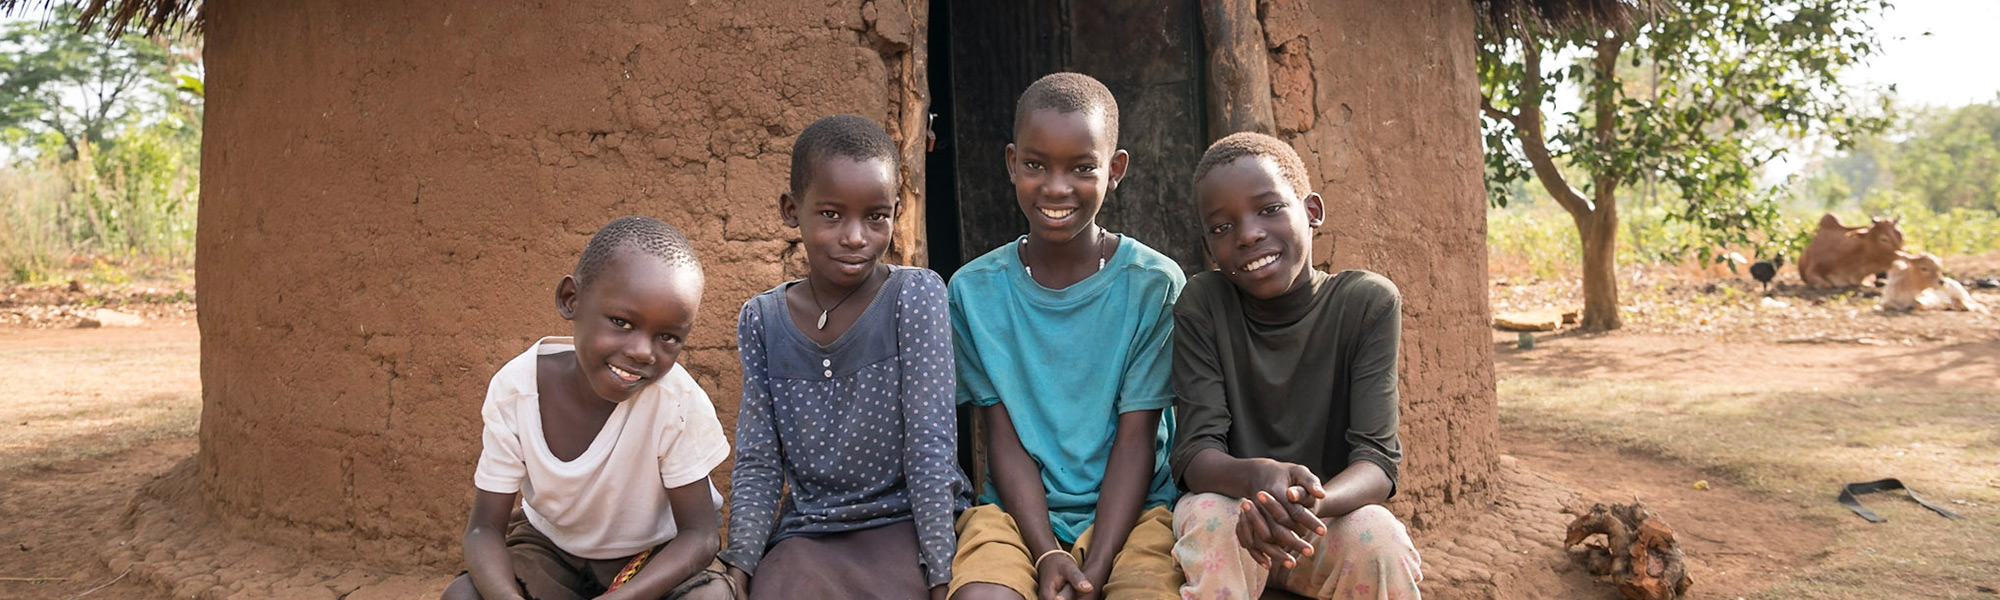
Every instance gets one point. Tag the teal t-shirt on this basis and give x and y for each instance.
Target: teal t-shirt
(1067, 362)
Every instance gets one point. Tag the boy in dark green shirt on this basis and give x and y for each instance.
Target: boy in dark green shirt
(1285, 384)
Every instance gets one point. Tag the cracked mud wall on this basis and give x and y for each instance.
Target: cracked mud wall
(1381, 100)
(391, 190)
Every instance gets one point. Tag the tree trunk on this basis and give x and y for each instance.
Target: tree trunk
(1600, 269)
(1600, 233)
(1596, 217)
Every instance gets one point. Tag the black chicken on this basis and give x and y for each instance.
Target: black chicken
(1766, 270)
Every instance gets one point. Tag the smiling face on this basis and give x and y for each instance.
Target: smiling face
(1256, 227)
(845, 215)
(1062, 164)
(631, 322)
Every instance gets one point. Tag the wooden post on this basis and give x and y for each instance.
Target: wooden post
(1239, 78)
(912, 127)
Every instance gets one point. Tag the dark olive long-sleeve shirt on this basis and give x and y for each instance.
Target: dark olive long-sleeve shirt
(1306, 378)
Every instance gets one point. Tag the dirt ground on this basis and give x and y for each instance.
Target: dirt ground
(63, 305)
(1585, 418)
(79, 453)
(70, 462)
(1773, 403)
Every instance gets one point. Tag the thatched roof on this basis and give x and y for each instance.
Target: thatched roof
(1508, 17)
(1512, 18)
(114, 16)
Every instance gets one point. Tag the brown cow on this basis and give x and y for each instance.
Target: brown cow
(1845, 256)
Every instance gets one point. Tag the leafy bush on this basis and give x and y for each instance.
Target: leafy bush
(102, 145)
(1958, 231)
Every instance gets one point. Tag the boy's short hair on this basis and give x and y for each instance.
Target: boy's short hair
(645, 234)
(1250, 144)
(849, 136)
(1068, 93)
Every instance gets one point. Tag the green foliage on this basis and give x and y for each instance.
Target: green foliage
(1945, 157)
(29, 247)
(1955, 231)
(136, 200)
(1696, 100)
(104, 138)
(1538, 241)
(80, 87)
(105, 273)
(1952, 157)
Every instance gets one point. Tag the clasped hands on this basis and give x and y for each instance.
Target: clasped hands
(1277, 523)
(1059, 577)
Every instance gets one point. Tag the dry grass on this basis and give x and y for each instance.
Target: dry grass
(70, 395)
(1796, 444)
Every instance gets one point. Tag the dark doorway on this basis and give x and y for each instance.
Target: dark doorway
(983, 54)
(940, 165)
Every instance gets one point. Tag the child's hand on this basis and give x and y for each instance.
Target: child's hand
(1299, 489)
(1060, 579)
(938, 592)
(1098, 572)
(741, 581)
(1272, 545)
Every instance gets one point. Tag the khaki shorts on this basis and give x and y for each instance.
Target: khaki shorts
(991, 550)
(547, 572)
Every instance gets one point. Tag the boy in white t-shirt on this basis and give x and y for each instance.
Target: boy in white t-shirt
(605, 440)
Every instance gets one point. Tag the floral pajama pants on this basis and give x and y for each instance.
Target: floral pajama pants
(1366, 554)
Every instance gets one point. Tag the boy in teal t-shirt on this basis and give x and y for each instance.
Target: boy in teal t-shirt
(1068, 361)
(1064, 339)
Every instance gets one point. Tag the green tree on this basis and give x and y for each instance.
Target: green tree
(1694, 95)
(108, 128)
(1844, 179)
(1951, 157)
(79, 87)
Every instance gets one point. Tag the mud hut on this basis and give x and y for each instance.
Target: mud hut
(389, 191)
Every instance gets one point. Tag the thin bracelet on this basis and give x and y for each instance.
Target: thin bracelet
(1038, 559)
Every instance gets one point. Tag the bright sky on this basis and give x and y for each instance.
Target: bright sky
(1938, 52)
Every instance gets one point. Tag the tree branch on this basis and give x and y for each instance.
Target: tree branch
(1534, 144)
(1486, 106)
(68, 139)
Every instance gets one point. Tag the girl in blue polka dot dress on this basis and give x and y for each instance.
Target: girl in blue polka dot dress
(846, 482)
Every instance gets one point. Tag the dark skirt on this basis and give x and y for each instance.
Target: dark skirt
(870, 563)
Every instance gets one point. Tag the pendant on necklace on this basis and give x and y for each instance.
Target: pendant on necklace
(822, 319)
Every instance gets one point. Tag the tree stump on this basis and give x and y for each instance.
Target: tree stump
(1638, 551)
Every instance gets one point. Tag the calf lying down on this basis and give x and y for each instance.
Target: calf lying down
(1917, 281)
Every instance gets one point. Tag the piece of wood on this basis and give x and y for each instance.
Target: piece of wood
(1639, 553)
(1239, 78)
(105, 317)
(911, 128)
(1547, 319)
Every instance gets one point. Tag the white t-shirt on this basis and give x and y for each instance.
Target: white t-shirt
(611, 502)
